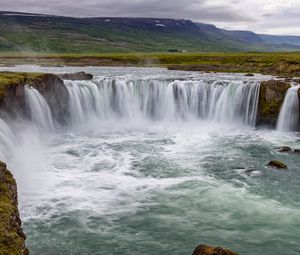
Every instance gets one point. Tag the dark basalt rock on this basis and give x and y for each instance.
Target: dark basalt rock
(209, 250)
(285, 149)
(249, 74)
(277, 164)
(76, 76)
(12, 238)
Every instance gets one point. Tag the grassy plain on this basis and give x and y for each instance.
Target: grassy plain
(286, 64)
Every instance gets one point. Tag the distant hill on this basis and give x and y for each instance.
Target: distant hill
(280, 39)
(24, 32)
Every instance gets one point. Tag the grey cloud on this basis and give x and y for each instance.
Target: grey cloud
(241, 14)
(201, 10)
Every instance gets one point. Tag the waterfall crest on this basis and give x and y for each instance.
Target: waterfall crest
(288, 119)
(225, 101)
(221, 101)
(39, 109)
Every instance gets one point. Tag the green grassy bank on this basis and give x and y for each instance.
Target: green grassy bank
(279, 63)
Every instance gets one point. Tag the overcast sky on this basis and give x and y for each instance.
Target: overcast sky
(263, 16)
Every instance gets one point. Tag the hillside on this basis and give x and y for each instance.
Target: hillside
(278, 39)
(21, 32)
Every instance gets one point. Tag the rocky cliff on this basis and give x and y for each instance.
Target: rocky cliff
(12, 93)
(271, 98)
(51, 86)
(12, 238)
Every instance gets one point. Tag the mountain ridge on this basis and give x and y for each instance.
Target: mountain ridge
(31, 32)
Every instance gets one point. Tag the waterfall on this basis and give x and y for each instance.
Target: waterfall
(288, 119)
(40, 112)
(220, 100)
(7, 141)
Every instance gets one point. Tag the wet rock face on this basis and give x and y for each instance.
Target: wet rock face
(76, 76)
(12, 238)
(209, 250)
(50, 86)
(272, 94)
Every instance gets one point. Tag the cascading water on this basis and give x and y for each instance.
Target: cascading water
(40, 112)
(223, 101)
(288, 119)
(7, 141)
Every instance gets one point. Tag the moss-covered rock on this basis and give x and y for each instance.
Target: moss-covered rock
(12, 238)
(271, 97)
(12, 95)
(209, 250)
(277, 164)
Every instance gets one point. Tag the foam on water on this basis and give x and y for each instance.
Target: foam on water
(112, 183)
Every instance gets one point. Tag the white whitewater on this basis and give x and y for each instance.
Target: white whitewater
(40, 112)
(221, 100)
(288, 119)
(7, 141)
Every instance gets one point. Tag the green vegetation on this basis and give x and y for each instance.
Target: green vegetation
(271, 97)
(284, 64)
(54, 34)
(11, 235)
(73, 36)
(8, 79)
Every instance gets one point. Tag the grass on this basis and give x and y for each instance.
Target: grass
(8, 79)
(280, 63)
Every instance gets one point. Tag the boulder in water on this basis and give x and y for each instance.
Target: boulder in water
(76, 76)
(277, 164)
(284, 149)
(297, 151)
(209, 250)
(249, 74)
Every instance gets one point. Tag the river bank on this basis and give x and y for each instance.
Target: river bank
(280, 64)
